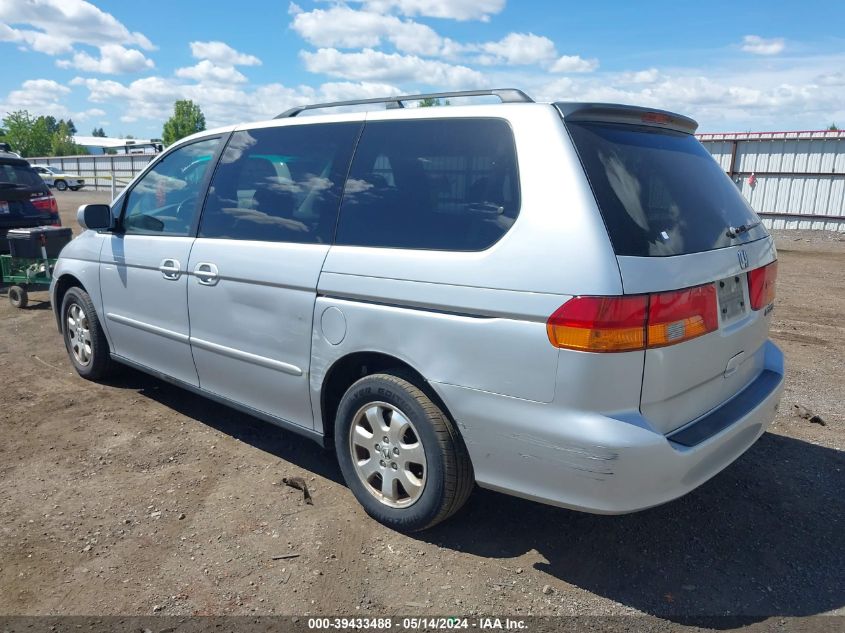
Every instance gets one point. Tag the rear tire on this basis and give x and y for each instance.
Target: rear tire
(84, 338)
(18, 297)
(61, 185)
(421, 473)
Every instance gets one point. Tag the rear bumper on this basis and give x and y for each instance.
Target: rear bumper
(606, 464)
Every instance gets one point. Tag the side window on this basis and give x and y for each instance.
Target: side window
(441, 184)
(280, 184)
(164, 201)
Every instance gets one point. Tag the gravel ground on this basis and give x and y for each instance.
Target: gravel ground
(136, 498)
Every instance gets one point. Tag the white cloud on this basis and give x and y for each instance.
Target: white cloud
(762, 46)
(527, 49)
(832, 79)
(780, 94)
(573, 64)
(371, 65)
(114, 60)
(57, 25)
(35, 94)
(519, 49)
(343, 27)
(44, 97)
(648, 76)
(453, 9)
(208, 71)
(152, 98)
(373, 48)
(222, 54)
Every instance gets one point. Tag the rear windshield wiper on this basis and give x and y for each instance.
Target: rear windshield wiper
(736, 231)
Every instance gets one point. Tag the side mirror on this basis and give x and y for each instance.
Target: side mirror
(96, 217)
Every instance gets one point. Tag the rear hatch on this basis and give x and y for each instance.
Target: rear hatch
(685, 237)
(25, 201)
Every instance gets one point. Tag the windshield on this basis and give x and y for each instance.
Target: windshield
(660, 192)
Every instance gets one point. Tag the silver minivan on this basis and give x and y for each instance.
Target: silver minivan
(568, 302)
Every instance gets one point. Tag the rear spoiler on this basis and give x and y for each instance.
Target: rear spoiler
(630, 115)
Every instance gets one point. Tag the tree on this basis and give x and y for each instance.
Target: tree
(187, 119)
(431, 102)
(62, 144)
(833, 127)
(27, 135)
(71, 127)
(98, 132)
(51, 123)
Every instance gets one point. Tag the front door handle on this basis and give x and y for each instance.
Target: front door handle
(170, 269)
(206, 273)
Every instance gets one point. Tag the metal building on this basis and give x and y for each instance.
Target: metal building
(794, 180)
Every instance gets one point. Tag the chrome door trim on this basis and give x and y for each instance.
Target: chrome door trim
(146, 327)
(248, 357)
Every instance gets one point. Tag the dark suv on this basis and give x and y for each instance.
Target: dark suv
(25, 201)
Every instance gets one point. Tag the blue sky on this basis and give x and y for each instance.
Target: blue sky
(734, 66)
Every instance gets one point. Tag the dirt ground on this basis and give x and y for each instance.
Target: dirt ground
(137, 498)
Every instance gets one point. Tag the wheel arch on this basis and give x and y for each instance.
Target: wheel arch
(356, 365)
(64, 283)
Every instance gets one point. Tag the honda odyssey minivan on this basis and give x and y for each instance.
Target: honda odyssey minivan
(568, 302)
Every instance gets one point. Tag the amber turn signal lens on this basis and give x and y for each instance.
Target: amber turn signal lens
(599, 324)
(626, 323)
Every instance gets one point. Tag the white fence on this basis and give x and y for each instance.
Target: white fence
(100, 171)
(794, 180)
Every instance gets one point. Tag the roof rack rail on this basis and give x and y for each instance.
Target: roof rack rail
(507, 95)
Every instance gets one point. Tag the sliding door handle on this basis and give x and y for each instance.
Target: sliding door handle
(206, 273)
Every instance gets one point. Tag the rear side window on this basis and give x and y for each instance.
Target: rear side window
(659, 191)
(280, 184)
(441, 184)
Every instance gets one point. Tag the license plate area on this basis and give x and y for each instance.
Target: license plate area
(731, 294)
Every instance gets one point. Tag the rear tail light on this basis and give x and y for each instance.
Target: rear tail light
(674, 317)
(47, 204)
(635, 322)
(599, 324)
(761, 285)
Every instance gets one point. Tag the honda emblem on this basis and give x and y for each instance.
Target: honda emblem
(743, 259)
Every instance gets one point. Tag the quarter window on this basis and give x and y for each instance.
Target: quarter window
(442, 184)
(165, 200)
(280, 184)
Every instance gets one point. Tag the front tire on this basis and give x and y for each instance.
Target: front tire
(61, 185)
(84, 338)
(400, 454)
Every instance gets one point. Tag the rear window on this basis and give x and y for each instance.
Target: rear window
(439, 184)
(20, 176)
(659, 191)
